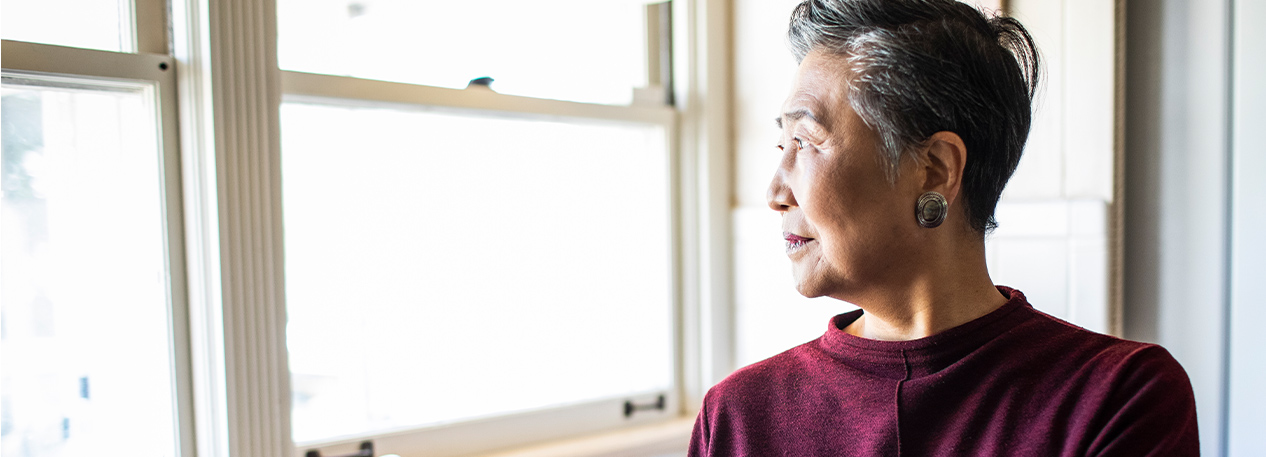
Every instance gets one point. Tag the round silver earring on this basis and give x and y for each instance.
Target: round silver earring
(931, 209)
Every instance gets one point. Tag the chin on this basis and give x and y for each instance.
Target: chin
(815, 283)
(813, 286)
(809, 292)
(816, 276)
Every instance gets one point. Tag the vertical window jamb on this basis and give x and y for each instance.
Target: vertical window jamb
(229, 88)
(149, 19)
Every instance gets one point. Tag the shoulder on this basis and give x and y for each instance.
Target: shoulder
(768, 382)
(1031, 336)
(1094, 356)
(1138, 393)
(1131, 368)
(1124, 368)
(741, 415)
(1149, 403)
(1047, 336)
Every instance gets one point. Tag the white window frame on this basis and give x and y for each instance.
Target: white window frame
(219, 100)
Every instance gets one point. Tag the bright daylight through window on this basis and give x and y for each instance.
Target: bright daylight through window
(443, 267)
(443, 264)
(94, 24)
(580, 50)
(500, 261)
(83, 285)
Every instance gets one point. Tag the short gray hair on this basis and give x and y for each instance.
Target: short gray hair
(925, 66)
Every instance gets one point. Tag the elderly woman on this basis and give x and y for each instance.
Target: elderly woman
(906, 119)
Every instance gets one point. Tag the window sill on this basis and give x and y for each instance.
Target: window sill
(659, 440)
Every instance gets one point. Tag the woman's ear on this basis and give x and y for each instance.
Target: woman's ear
(944, 155)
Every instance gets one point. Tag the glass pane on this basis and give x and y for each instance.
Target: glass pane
(443, 267)
(581, 50)
(83, 281)
(93, 24)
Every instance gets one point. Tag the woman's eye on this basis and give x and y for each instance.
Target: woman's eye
(797, 142)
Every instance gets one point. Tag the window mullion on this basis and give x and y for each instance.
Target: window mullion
(47, 58)
(701, 90)
(150, 25)
(229, 97)
(298, 85)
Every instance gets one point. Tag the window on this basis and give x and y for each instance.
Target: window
(445, 267)
(92, 300)
(459, 257)
(596, 317)
(579, 50)
(101, 24)
(84, 271)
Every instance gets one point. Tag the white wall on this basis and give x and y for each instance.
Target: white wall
(1053, 222)
(1176, 181)
(1247, 401)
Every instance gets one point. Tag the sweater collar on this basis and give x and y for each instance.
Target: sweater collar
(923, 356)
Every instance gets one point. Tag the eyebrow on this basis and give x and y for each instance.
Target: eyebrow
(796, 115)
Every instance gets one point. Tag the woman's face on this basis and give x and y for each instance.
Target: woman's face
(849, 232)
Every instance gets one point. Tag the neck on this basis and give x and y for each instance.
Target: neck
(950, 289)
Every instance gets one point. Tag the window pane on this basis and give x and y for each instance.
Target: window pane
(84, 317)
(581, 50)
(92, 24)
(443, 267)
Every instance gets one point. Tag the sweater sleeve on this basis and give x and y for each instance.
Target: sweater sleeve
(699, 437)
(1152, 412)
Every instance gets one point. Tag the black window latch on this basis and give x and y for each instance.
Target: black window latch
(630, 408)
(366, 450)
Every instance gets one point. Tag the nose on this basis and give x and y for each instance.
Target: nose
(779, 194)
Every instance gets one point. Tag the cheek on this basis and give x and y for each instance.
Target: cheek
(860, 217)
(835, 199)
(849, 198)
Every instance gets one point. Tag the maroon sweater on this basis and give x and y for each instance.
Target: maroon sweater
(1014, 382)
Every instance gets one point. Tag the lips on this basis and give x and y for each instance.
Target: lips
(794, 241)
